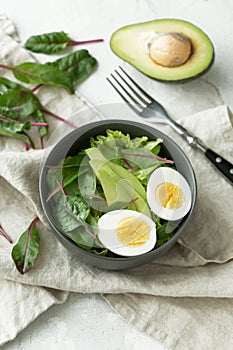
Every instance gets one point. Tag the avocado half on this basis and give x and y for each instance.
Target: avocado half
(133, 43)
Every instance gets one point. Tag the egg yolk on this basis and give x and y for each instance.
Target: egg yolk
(169, 195)
(133, 231)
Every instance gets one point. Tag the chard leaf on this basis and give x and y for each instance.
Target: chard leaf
(139, 158)
(81, 238)
(20, 136)
(12, 127)
(87, 183)
(48, 43)
(18, 104)
(47, 74)
(65, 221)
(15, 130)
(78, 65)
(26, 250)
(7, 85)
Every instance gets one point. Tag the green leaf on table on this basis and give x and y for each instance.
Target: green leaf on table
(47, 74)
(18, 104)
(53, 42)
(7, 85)
(77, 65)
(15, 130)
(12, 126)
(26, 250)
(48, 43)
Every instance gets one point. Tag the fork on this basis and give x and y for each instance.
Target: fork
(147, 107)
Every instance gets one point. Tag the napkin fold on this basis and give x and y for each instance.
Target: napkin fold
(183, 299)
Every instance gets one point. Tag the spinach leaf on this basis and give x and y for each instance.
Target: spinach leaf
(78, 65)
(71, 212)
(25, 252)
(47, 74)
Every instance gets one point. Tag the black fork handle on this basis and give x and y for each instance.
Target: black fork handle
(223, 165)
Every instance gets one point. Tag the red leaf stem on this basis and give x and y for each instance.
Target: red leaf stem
(128, 165)
(61, 188)
(164, 160)
(4, 234)
(73, 43)
(59, 118)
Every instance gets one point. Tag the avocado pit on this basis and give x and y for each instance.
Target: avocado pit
(170, 49)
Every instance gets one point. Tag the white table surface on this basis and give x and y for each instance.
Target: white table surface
(87, 322)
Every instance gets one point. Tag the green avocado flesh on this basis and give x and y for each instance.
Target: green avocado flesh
(130, 44)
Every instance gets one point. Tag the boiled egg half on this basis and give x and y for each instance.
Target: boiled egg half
(127, 232)
(168, 194)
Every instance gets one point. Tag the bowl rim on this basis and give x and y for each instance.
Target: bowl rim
(110, 122)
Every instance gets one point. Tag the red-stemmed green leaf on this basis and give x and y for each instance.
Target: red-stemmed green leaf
(26, 250)
(37, 73)
(48, 43)
(7, 85)
(14, 129)
(18, 104)
(53, 42)
(78, 65)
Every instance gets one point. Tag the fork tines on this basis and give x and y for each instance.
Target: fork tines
(129, 90)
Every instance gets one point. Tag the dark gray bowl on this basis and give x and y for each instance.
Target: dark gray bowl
(77, 140)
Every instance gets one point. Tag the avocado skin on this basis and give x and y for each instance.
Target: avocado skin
(166, 80)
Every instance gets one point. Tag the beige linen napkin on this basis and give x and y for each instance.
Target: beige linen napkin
(184, 299)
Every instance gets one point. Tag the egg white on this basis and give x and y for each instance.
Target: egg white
(107, 225)
(161, 175)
